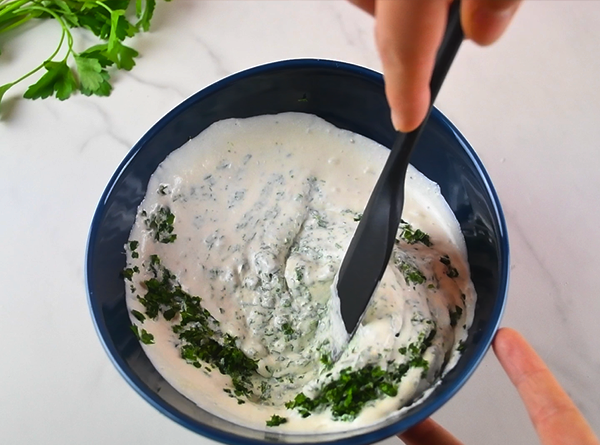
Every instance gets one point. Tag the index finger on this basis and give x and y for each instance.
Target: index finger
(408, 35)
(554, 415)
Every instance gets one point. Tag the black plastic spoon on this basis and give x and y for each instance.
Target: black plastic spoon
(371, 247)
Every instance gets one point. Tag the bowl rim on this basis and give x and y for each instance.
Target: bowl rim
(361, 438)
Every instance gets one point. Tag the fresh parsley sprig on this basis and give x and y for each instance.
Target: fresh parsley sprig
(89, 74)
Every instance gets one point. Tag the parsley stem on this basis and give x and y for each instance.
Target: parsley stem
(65, 31)
(17, 23)
(9, 7)
(99, 3)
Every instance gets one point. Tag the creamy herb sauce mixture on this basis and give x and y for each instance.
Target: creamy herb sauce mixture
(229, 275)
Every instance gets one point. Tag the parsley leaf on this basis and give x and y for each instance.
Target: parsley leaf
(451, 271)
(137, 314)
(276, 420)
(146, 15)
(455, 315)
(106, 19)
(122, 56)
(143, 335)
(287, 329)
(327, 361)
(412, 275)
(198, 331)
(348, 394)
(93, 77)
(412, 236)
(160, 223)
(98, 52)
(58, 80)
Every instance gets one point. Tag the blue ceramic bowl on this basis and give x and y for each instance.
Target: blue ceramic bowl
(349, 97)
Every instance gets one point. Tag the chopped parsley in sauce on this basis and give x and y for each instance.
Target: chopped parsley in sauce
(230, 265)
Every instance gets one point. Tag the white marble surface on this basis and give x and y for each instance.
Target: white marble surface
(530, 105)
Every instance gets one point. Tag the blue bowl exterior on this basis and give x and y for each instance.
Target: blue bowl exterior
(349, 97)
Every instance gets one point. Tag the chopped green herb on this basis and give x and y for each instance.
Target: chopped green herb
(143, 335)
(412, 236)
(412, 275)
(127, 273)
(162, 189)
(451, 271)
(416, 350)
(347, 395)
(327, 361)
(321, 221)
(358, 217)
(138, 315)
(265, 390)
(276, 420)
(455, 315)
(146, 337)
(160, 223)
(287, 329)
(197, 329)
(461, 346)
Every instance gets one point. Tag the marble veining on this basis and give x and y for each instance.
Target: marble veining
(529, 105)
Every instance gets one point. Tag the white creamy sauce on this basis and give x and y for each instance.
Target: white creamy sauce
(263, 211)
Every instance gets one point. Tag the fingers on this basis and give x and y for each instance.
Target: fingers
(428, 432)
(555, 417)
(408, 34)
(365, 5)
(484, 21)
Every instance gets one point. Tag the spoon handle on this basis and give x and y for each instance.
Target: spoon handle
(371, 247)
(452, 40)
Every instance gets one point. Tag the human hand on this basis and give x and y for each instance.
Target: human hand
(553, 414)
(408, 34)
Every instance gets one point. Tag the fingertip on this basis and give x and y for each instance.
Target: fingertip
(484, 21)
(428, 432)
(409, 109)
(366, 5)
(505, 340)
(405, 123)
(504, 335)
(408, 34)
